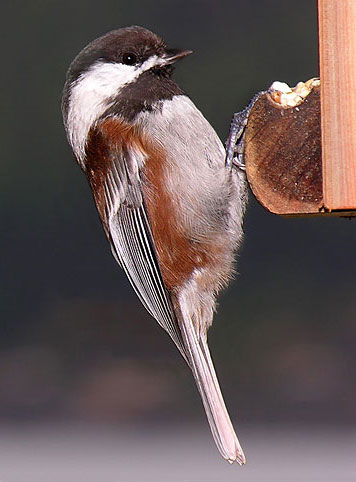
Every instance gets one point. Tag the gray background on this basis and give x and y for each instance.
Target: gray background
(81, 362)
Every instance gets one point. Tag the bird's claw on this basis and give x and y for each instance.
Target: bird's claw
(235, 144)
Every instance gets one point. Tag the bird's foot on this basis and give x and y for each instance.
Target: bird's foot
(235, 144)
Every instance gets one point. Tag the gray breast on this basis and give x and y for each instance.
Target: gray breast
(204, 191)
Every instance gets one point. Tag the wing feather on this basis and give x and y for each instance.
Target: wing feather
(128, 228)
(131, 238)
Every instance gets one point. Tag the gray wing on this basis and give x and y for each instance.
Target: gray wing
(130, 235)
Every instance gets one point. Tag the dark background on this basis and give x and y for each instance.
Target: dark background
(75, 343)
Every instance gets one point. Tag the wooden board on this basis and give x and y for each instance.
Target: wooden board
(337, 46)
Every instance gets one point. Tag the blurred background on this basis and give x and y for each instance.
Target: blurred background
(89, 383)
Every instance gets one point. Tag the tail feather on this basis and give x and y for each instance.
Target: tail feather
(208, 386)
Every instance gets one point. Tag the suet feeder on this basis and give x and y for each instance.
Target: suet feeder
(300, 143)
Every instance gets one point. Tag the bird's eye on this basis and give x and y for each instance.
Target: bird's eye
(129, 58)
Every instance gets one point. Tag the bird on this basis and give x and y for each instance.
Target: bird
(170, 207)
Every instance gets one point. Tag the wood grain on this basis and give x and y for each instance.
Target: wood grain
(283, 155)
(337, 45)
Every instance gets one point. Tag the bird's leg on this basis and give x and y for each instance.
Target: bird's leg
(235, 143)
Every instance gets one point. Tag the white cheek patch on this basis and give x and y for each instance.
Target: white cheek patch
(93, 93)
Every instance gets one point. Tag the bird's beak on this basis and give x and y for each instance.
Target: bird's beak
(172, 55)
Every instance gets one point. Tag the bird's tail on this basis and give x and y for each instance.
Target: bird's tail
(208, 386)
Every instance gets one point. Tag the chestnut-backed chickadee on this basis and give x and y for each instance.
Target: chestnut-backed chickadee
(171, 209)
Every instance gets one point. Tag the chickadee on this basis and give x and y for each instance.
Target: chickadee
(170, 207)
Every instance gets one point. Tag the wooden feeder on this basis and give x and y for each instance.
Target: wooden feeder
(300, 144)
